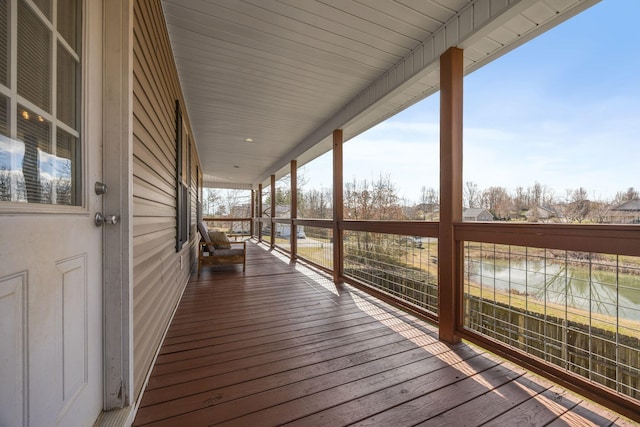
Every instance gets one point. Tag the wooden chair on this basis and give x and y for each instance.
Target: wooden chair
(219, 251)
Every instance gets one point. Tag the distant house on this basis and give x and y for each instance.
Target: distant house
(626, 213)
(476, 214)
(424, 211)
(540, 213)
(240, 211)
(284, 230)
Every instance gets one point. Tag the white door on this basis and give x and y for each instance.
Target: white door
(50, 249)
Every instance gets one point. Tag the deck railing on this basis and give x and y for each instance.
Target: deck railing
(563, 300)
(234, 226)
(577, 310)
(405, 267)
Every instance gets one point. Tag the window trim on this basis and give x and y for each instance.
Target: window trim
(183, 196)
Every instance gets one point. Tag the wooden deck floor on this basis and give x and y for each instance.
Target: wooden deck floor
(281, 345)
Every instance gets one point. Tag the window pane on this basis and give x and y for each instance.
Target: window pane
(34, 58)
(68, 13)
(67, 87)
(35, 132)
(67, 169)
(4, 115)
(11, 179)
(4, 42)
(44, 6)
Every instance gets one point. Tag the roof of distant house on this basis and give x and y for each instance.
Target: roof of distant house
(474, 212)
(631, 205)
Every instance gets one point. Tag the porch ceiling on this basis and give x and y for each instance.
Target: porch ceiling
(287, 72)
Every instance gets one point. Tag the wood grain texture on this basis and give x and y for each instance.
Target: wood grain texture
(281, 344)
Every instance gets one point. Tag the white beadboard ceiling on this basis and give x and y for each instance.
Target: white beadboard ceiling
(286, 73)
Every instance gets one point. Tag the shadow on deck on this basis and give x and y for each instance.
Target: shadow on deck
(281, 344)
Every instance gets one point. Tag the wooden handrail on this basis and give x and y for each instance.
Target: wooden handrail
(212, 219)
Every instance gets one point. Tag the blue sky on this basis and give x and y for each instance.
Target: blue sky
(562, 110)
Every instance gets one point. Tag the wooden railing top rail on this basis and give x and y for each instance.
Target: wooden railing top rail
(409, 228)
(619, 239)
(608, 239)
(225, 219)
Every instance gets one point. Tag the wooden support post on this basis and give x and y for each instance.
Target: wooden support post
(449, 250)
(259, 213)
(273, 210)
(294, 209)
(338, 206)
(252, 213)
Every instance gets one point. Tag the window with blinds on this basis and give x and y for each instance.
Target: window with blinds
(40, 69)
(183, 176)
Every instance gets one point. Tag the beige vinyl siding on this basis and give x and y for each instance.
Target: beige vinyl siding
(158, 278)
(196, 195)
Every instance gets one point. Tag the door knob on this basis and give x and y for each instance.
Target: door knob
(106, 219)
(100, 188)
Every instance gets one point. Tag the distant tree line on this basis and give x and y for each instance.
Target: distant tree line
(574, 206)
(379, 199)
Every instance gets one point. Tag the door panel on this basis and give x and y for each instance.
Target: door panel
(13, 332)
(51, 251)
(50, 306)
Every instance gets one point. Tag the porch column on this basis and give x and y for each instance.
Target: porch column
(338, 206)
(273, 210)
(252, 212)
(293, 244)
(450, 251)
(259, 213)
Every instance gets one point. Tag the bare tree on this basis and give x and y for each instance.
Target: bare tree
(498, 201)
(315, 203)
(376, 200)
(472, 195)
(386, 200)
(237, 203)
(578, 205)
(211, 198)
(428, 201)
(5, 183)
(625, 196)
(599, 212)
(520, 199)
(358, 201)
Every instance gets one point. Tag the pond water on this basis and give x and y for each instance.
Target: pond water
(561, 283)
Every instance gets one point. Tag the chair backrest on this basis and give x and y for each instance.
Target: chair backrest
(204, 233)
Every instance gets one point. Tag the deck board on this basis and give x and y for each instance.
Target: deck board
(280, 344)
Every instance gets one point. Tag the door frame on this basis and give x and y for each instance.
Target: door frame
(117, 174)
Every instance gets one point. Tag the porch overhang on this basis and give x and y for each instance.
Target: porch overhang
(287, 74)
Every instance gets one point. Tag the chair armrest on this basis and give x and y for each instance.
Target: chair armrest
(205, 245)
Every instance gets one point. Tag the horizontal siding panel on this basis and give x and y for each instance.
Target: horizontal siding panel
(158, 278)
(162, 134)
(152, 138)
(146, 172)
(146, 246)
(150, 283)
(144, 190)
(162, 118)
(157, 68)
(143, 207)
(149, 334)
(147, 225)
